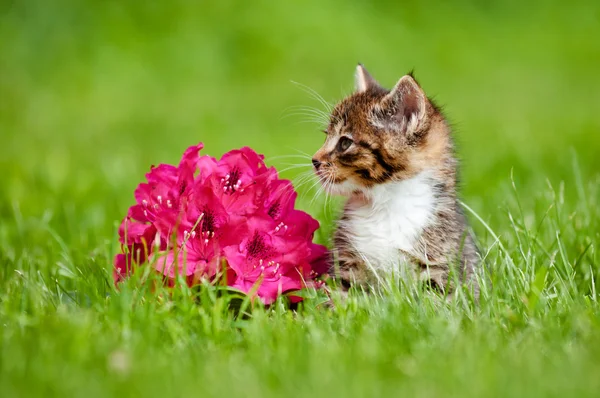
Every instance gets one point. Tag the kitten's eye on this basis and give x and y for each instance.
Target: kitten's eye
(343, 144)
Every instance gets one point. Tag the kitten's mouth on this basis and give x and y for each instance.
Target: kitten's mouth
(328, 179)
(336, 185)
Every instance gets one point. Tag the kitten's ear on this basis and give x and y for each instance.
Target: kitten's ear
(363, 80)
(406, 104)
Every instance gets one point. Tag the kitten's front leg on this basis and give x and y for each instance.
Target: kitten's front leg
(348, 270)
(346, 267)
(345, 275)
(435, 275)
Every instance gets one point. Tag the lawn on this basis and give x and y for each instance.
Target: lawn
(93, 93)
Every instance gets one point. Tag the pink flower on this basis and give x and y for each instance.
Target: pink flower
(258, 263)
(199, 234)
(233, 218)
(168, 187)
(319, 259)
(269, 259)
(237, 179)
(137, 241)
(278, 199)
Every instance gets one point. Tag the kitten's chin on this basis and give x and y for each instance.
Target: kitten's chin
(344, 188)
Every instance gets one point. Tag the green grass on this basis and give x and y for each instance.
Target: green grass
(91, 96)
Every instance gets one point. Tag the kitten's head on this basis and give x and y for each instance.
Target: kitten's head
(376, 136)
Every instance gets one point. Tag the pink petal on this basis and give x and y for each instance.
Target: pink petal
(319, 259)
(121, 269)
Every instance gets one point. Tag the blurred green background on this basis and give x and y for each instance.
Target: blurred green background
(93, 93)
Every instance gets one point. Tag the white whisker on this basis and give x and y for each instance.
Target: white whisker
(288, 156)
(292, 167)
(315, 95)
(315, 184)
(308, 109)
(301, 152)
(311, 116)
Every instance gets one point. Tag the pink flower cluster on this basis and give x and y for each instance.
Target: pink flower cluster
(233, 218)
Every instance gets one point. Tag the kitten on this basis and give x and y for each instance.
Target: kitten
(391, 153)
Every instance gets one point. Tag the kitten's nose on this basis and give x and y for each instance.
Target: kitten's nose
(316, 163)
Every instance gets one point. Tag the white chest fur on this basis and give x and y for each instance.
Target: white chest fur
(391, 221)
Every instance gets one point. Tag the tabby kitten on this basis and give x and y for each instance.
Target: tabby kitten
(391, 153)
